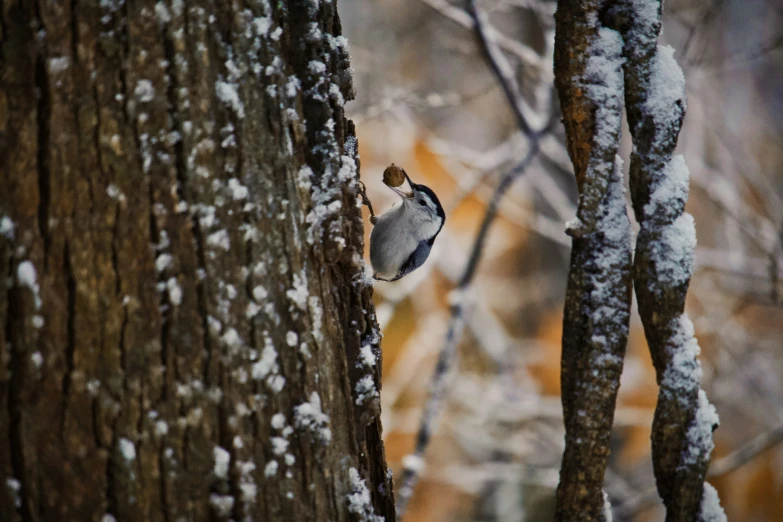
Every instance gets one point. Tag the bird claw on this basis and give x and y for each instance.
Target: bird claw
(366, 201)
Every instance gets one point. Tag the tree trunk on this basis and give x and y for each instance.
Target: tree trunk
(188, 333)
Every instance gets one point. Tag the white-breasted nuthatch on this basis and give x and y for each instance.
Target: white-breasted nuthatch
(403, 236)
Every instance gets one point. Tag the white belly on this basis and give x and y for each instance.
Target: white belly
(391, 244)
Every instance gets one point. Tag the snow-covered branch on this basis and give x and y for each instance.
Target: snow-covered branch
(598, 296)
(684, 418)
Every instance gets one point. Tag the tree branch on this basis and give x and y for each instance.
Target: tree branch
(747, 452)
(413, 464)
(501, 68)
(663, 264)
(588, 76)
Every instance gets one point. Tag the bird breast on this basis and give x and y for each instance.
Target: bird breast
(392, 241)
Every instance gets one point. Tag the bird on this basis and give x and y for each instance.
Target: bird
(402, 238)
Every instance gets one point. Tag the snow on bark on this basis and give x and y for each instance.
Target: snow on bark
(684, 419)
(602, 81)
(27, 276)
(594, 340)
(598, 295)
(309, 417)
(207, 136)
(359, 499)
(711, 510)
(366, 390)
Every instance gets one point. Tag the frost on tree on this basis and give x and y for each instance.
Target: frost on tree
(188, 332)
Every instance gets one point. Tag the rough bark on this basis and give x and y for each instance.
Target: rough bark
(588, 77)
(187, 331)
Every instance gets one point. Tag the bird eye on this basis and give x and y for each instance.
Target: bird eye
(422, 203)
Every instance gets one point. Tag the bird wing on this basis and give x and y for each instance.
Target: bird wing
(417, 258)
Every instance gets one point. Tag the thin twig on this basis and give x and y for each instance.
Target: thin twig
(526, 55)
(747, 452)
(718, 468)
(413, 464)
(500, 67)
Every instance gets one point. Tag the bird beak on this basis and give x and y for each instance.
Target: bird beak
(402, 193)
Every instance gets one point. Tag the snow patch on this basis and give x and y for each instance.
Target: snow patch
(672, 255)
(603, 82)
(259, 293)
(309, 416)
(238, 190)
(279, 445)
(270, 470)
(162, 13)
(7, 228)
(27, 276)
(669, 189)
(162, 262)
(174, 291)
(316, 67)
(683, 373)
(127, 449)
(359, 499)
(222, 460)
(367, 356)
(700, 444)
(220, 239)
(666, 87)
(365, 390)
(228, 94)
(144, 91)
(413, 462)
(299, 293)
(278, 421)
(59, 64)
(222, 504)
(261, 25)
(711, 510)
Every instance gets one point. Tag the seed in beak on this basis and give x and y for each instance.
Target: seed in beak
(393, 176)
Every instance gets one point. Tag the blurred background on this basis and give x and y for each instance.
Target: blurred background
(426, 100)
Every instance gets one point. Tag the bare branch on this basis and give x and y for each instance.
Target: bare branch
(413, 464)
(723, 466)
(526, 55)
(746, 453)
(501, 68)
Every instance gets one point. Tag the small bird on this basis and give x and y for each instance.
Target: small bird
(403, 236)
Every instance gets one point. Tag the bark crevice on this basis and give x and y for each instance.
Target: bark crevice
(70, 339)
(43, 158)
(15, 411)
